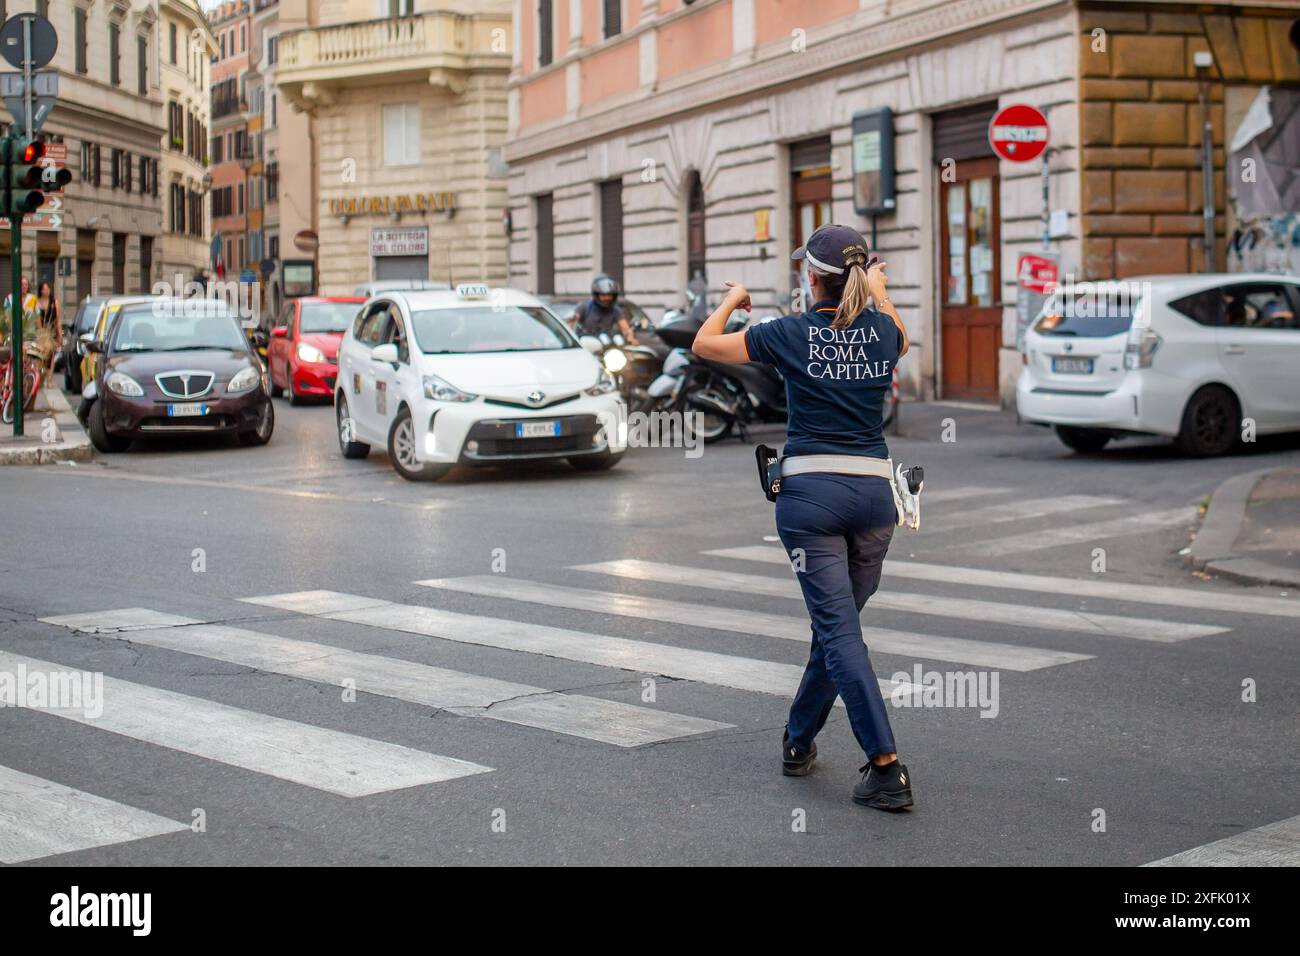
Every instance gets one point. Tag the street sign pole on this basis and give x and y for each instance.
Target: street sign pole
(16, 309)
(27, 76)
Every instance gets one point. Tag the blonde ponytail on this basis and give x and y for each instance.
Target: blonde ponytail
(853, 300)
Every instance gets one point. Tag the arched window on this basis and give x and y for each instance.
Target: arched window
(695, 240)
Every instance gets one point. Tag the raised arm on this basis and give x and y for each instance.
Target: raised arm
(711, 342)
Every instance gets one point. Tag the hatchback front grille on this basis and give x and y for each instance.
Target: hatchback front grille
(185, 383)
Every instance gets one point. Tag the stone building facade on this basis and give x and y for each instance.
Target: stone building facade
(657, 138)
(408, 117)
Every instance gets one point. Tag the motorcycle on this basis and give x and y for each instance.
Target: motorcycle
(633, 367)
(726, 396)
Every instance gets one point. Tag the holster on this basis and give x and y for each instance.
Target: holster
(769, 471)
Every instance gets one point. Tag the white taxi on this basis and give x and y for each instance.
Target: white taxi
(472, 375)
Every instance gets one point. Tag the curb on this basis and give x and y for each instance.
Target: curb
(73, 445)
(1211, 549)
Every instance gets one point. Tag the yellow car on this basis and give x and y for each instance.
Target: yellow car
(107, 313)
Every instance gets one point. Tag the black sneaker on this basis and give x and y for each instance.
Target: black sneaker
(887, 788)
(796, 762)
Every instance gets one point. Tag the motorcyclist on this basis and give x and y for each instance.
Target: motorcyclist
(602, 313)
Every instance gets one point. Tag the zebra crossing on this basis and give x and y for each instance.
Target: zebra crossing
(41, 818)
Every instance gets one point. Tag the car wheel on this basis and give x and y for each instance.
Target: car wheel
(1210, 423)
(294, 397)
(402, 451)
(1086, 441)
(101, 437)
(596, 462)
(68, 384)
(262, 433)
(345, 429)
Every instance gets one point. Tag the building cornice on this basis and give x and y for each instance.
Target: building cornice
(836, 47)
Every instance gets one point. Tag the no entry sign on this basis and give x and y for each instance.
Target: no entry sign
(1018, 133)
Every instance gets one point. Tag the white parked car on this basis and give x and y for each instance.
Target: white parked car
(1201, 359)
(472, 376)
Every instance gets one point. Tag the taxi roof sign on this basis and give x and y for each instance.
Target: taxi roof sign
(473, 290)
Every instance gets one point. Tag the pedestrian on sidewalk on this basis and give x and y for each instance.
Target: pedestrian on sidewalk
(49, 327)
(835, 512)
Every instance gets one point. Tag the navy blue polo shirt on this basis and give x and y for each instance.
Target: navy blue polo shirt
(836, 380)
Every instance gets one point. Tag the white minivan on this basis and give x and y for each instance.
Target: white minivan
(475, 376)
(1203, 359)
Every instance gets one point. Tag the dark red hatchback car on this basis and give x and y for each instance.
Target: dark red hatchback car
(303, 354)
(173, 366)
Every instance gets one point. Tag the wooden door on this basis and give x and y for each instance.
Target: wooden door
(970, 291)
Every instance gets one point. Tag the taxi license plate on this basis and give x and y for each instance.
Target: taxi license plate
(1073, 366)
(189, 408)
(537, 429)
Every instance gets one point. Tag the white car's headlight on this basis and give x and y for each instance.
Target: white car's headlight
(604, 385)
(441, 390)
(124, 384)
(309, 353)
(245, 380)
(614, 360)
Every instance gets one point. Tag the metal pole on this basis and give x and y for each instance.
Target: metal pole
(1207, 180)
(16, 308)
(27, 75)
(1047, 210)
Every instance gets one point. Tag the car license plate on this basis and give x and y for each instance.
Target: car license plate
(537, 429)
(189, 408)
(1072, 366)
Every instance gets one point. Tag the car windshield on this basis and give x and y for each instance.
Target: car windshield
(1088, 314)
(489, 329)
(327, 316)
(175, 326)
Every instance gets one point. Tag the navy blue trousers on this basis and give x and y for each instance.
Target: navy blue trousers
(837, 528)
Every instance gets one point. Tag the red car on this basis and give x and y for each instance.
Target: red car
(303, 353)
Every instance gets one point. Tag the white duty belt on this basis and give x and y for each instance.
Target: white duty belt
(837, 464)
(906, 504)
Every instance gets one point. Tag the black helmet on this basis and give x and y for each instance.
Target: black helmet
(604, 284)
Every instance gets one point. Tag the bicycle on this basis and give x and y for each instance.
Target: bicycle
(31, 383)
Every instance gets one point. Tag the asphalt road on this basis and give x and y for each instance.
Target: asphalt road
(520, 710)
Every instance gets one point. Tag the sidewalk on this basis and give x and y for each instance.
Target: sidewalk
(1251, 530)
(40, 445)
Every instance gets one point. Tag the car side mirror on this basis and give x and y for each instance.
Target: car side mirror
(384, 353)
(280, 332)
(591, 344)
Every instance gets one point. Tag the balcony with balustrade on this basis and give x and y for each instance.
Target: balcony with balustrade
(441, 48)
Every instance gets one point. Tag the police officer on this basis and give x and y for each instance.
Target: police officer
(835, 512)
(602, 313)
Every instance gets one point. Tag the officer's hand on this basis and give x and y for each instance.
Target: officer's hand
(739, 296)
(877, 281)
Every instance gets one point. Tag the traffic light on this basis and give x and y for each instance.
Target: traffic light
(23, 176)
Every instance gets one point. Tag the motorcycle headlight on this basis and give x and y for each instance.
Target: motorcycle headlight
(441, 390)
(245, 380)
(309, 353)
(614, 360)
(124, 384)
(604, 385)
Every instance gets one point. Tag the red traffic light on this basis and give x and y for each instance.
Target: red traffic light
(33, 151)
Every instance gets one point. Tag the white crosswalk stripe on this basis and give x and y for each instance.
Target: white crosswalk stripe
(1079, 533)
(961, 493)
(989, 611)
(1016, 511)
(705, 667)
(121, 619)
(593, 718)
(1277, 844)
(1099, 586)
(887, 641)
(40, 818)
(330, 760)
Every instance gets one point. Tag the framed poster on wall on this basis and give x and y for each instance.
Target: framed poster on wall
(873, 161)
